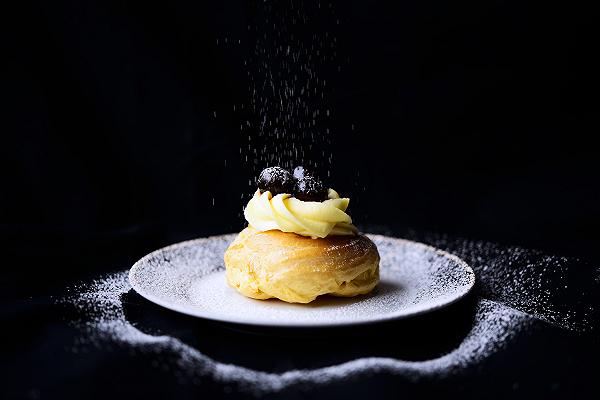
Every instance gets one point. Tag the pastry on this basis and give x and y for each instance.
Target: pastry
(300, 243)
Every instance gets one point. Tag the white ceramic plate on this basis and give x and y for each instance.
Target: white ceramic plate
(189, 277)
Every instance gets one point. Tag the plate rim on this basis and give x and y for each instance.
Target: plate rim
(397, 315)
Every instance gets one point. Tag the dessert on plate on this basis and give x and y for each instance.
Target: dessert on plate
(300, 243)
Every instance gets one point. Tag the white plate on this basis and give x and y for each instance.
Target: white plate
(189, 277)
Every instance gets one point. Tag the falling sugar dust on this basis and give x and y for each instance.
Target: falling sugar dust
(288, 120)
(530, 276)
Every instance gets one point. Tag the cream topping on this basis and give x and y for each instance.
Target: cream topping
(317, 219)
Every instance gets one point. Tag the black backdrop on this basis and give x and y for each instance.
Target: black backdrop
(119, 134)
(470, 118)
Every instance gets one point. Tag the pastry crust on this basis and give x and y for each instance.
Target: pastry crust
(297, 269)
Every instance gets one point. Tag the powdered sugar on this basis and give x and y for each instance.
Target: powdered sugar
(552, 288)
(496, 324)
(101, 302)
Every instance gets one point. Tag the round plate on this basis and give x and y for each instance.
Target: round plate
(189, 277)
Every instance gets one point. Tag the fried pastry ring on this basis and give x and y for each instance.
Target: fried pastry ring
(297, 269)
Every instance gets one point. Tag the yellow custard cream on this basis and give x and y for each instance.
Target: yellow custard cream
(316, 219)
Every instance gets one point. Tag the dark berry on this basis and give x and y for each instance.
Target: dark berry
(300, 172)
(276, 180)
(310, 188)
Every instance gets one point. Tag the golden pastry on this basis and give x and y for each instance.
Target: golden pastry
(297, 269)
(296, 250)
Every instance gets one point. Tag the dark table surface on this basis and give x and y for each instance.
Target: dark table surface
(128, 126)
(53, 349)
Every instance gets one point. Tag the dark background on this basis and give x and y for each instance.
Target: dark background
(468, 118)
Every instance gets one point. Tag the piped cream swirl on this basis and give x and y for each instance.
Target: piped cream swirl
(316, 219)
